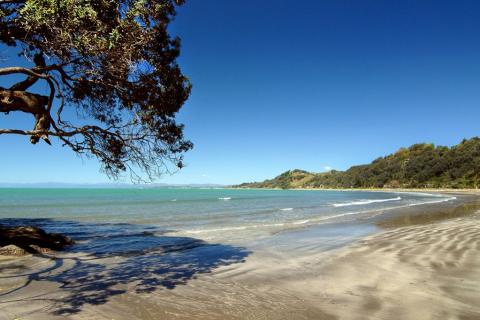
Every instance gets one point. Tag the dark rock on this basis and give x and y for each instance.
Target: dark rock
(32, 239)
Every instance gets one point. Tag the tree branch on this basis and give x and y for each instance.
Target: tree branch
(121, 74)
(18, 99)
(27, 83)
(29, 72)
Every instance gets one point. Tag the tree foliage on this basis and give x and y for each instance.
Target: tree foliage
(419, 166)
(113, 63)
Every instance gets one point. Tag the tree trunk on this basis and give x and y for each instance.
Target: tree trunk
(15, 100)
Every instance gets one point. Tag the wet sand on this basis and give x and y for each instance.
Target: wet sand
(424, 263)
(429, 271)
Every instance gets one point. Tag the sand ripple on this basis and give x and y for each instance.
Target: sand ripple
(421, 272)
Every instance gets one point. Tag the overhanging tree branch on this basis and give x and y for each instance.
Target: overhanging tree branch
(118, 70)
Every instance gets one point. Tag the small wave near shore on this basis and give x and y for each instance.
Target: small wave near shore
(363, 202)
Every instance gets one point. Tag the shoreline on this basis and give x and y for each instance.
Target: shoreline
(419, 190)
(422, 262)
(415, 272)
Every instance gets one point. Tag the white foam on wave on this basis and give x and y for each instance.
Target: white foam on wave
(318, 220)
(255, 226)
(301, 221)
(286, 209)
(225, 198)
(361, 202)
(414, 193)
(435, 201)
(216, 230)
(321, 219)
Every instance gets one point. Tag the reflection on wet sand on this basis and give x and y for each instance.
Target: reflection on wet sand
(430, 213)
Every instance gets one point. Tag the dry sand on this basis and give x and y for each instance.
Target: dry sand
(429, 270)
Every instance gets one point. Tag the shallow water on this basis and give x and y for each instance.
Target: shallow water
(226, 215)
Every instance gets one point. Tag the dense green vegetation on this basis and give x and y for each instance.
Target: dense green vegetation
(419, 166)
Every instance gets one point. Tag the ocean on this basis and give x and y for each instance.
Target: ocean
(210, 214)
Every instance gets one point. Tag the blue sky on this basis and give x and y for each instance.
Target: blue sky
(279, 85)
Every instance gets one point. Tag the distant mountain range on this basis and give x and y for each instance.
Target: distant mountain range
(419, 166)
(107, 185)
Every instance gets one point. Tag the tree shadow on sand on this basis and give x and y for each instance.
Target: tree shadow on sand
(118, 255)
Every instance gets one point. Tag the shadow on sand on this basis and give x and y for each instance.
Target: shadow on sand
(112, 257)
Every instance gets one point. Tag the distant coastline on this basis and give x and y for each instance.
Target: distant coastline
(435, 190)
(54, 185)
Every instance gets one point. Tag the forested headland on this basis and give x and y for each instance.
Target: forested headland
(421, 165)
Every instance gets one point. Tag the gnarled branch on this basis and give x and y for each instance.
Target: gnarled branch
(111, 61)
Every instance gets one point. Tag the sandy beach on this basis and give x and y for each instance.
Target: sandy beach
(239, 160)
(424, 263)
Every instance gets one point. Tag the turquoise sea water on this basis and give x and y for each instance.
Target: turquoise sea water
(208, 214)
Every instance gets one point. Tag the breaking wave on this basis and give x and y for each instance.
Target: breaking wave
(362, 202)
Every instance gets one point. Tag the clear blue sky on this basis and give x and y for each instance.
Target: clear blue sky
(279, 85)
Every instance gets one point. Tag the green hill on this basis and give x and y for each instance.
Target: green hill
(419, 166)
